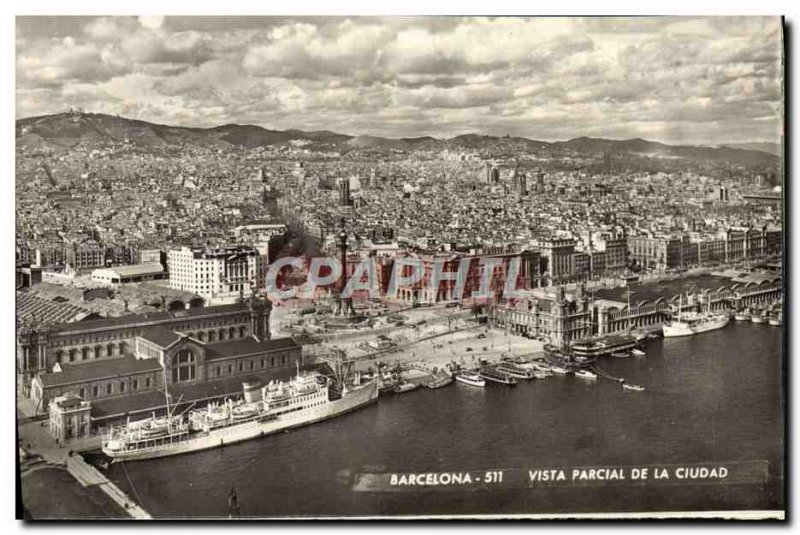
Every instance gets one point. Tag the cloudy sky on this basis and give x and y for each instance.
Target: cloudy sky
(676, 80)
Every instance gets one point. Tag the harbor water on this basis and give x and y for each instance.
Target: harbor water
(710, 398)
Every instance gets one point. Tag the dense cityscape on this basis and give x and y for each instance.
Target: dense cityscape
(187, 288)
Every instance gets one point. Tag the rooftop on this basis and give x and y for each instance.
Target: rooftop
(160, 336)
(31, 307)
(132, 319)
(147, 268)
(100, 369)
(247, 346)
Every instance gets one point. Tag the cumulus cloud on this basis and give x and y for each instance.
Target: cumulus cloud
(675, 79)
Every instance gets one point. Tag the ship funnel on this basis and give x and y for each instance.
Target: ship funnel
(252, 391)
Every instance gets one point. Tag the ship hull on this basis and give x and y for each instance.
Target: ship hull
(471, 382)
(356, 399)
(673, 331)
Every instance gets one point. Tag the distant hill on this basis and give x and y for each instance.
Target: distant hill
(70, 129)
(588, 145)
(770, 148)
(65, 130)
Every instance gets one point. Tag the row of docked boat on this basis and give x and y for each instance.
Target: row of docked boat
(508, 371)
(772, 317)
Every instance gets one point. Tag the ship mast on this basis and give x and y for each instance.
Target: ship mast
(166, 393)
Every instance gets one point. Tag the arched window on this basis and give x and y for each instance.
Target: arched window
(94, 391)
(135, 384)
(183, 366)
(109, 388)
(122, 386)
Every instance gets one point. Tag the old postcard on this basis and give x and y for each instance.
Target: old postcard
(277, 267)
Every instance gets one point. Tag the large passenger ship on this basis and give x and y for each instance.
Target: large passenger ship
(275, 407)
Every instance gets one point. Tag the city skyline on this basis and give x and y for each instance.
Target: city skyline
(666, 79)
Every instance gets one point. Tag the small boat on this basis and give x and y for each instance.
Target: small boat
(638, 352)
(470, 378)
(405, 387)
(635, 388)
(620, 354)
(743, 315)
(518, 372)
(776, 320)
(244, 411)
(586, 374)
(758, 318)
(559, 370)
(439, 382)
(497, 376)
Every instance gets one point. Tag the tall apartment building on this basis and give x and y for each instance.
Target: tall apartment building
(557, 255)
(84, 253)
(656, 251)
(222, 274)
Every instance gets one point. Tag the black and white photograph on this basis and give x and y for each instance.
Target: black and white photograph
(361, 267)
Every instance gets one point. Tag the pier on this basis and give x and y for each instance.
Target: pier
(36, 441)
(87, 475)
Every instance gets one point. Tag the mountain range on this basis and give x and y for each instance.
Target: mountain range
(65, 130)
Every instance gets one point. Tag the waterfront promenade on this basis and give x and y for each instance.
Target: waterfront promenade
(36, 442)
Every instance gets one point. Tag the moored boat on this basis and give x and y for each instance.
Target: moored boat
(776, 320)
(742, 315)
(758, 318)
(586, 374)
(620, 354)
(559, 370)
(470, 378)
(278, 406)
(491, 373)
(518, 372)
(689, 323)
(405, 387)
(439, 382)
(598, 347)
(638, 352)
